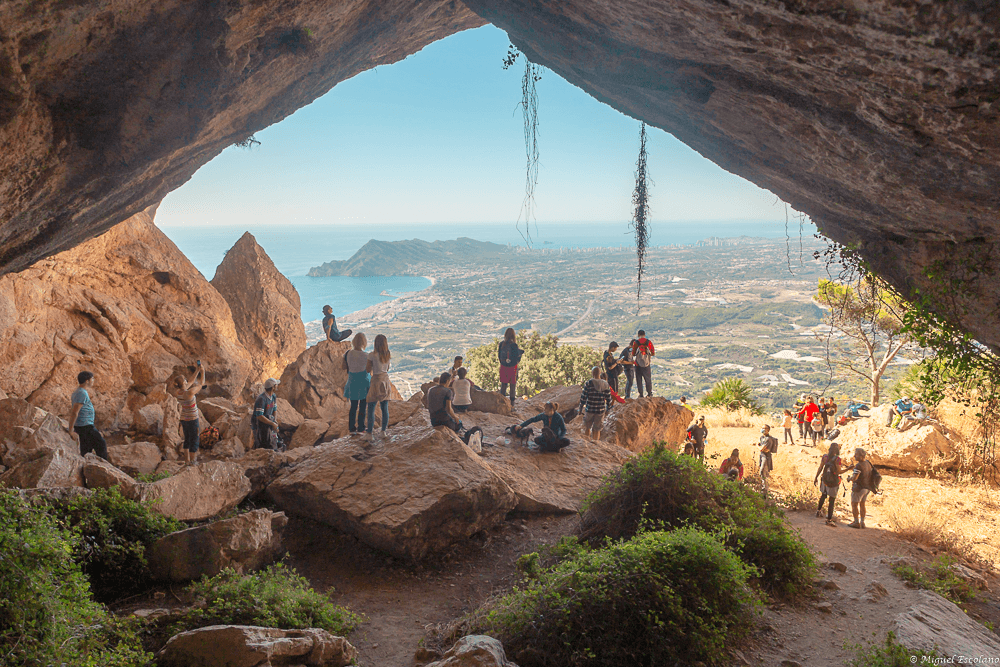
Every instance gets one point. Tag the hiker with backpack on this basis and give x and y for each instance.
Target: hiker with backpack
(612, 366)
(642, 354)
(799, 417)
(831, 468)
(732, 467)
(864, 480)
(595, 401)
(509, 355)
(553, 437)
(628, 365)
(358, 383)
(697, 433)
(768, 447)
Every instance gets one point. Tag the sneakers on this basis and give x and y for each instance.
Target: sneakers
(854, 524)
(831, 523)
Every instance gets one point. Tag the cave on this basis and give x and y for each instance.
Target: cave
(878, 120)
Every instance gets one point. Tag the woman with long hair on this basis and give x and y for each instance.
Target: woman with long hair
(509, 355)
(378, 392)
(830, 467)
(358, 383)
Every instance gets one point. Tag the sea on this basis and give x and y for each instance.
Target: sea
(295, 249)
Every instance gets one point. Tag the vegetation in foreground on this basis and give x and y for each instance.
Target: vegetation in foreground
(889, 654)
(668, 490)
(937, 576)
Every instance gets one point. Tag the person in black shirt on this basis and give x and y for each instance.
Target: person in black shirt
(330, 326)
(628, 365)
(612, 366)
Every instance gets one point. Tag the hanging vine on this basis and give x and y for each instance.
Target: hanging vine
(640, 215)
(529, 110)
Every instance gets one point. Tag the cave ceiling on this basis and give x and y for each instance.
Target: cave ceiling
(880, 120)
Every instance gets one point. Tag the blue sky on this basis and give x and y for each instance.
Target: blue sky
(438, 137)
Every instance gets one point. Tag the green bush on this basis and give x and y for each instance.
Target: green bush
(47, 616)
(112, 534)
(545, 363)
(668, 490)
(732, 394)
(938, 577)
(276, 597)
(660, 598)
(891, 654)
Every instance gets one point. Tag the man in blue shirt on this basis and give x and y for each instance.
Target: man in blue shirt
(900, 409)
(264, 421)
(81, 418)
(330, 326)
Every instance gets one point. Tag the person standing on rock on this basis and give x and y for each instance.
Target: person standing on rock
(380, 388)
(358, 383)
(831, 468)
(439, 404)
(186, 399)
(612, 366)
(330, 326)
(860, 487)
(509, 355)
(265, 419)
(81, 416)
(594, 402)
(628, 365)
(642, 353)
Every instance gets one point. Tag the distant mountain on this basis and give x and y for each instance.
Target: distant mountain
(395, 258)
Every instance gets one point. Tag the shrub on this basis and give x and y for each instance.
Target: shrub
(732, 394)
(545, 363)
(891, 654)
(659, 598)
(275, 597)
(671, 490)
(47, 616)
(111, 536)
(938, 577)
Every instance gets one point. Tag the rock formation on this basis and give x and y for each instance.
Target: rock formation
(639, 423)
(197, 492)
(877, 119)
(248, 646)
(265, 306)
(127, 306)
(416, 494)
(937, 624)
(918, 449)
(244, 543)
(474, 651)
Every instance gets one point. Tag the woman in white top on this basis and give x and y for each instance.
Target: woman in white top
(378, 392)
(463, 392)
(358, 383)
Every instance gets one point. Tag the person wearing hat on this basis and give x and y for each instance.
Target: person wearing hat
(330, 326)
(265, 421)
(612, 366)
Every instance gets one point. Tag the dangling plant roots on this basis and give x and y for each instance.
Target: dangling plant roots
(640, 205)
(529, 109)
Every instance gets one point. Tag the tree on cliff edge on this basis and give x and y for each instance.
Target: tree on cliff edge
(871, 318)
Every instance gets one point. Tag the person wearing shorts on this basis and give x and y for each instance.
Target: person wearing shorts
(595, 401)
(860, 487)
(82, 415)
(188, 390)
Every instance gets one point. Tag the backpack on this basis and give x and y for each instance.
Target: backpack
(209, 437)
(774, 444)
(816, 423)
(874, 480)
(474, 439)
(514, 353)
(830, 476)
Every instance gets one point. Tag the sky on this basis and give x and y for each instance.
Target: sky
(439, 137)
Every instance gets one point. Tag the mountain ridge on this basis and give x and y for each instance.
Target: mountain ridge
(396, 258)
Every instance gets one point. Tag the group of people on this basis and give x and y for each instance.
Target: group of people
(863, 479)
(636, 361)
(904, 413)
(815, 419)
(732, 467)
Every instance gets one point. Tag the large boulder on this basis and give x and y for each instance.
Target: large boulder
(230, 448)
(265, 306)
(99, 474)
(937, 624)
(309, 433)
(249, 646)
(639, 423)
(137, 458)
(53, 468)
(920, 448)
(314, 382)
(42, 438)
(568, 398)
(474, 651)
(127, 305)
(197, 492)
(16, 417)
(244, 543)
(416, 494)
(217, 407)
(554, 482)
(288, 416)
(262, 466)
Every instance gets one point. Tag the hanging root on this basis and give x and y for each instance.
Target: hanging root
(529, 109)
(640, 216)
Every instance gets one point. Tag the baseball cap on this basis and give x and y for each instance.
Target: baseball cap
(271, 382)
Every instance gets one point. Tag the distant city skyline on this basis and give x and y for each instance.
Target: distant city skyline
(438, 138)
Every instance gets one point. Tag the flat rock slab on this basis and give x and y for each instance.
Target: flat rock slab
(197, 492)
(137, 458)
(415, 494)
(250, 646)
(244, 543)
(554, 482)
(936, 623)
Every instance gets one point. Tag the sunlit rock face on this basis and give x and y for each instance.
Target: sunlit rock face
(878, 119)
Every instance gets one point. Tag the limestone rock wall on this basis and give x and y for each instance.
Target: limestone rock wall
(265, 306)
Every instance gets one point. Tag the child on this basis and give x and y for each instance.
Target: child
(732, 467)
(787, 425)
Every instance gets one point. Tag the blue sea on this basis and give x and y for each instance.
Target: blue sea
(295, 249)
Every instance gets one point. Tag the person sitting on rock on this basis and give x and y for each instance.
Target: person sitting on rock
(330, 326)
(916, 415)
(186, 399)
(439, 404)
(81, 417)
(265, 419)
(453, 371)
(553, 437)
(595, 400)
(463, 390)
(732, 467)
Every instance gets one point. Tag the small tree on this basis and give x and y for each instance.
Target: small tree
(870, 315)
(545, 363)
